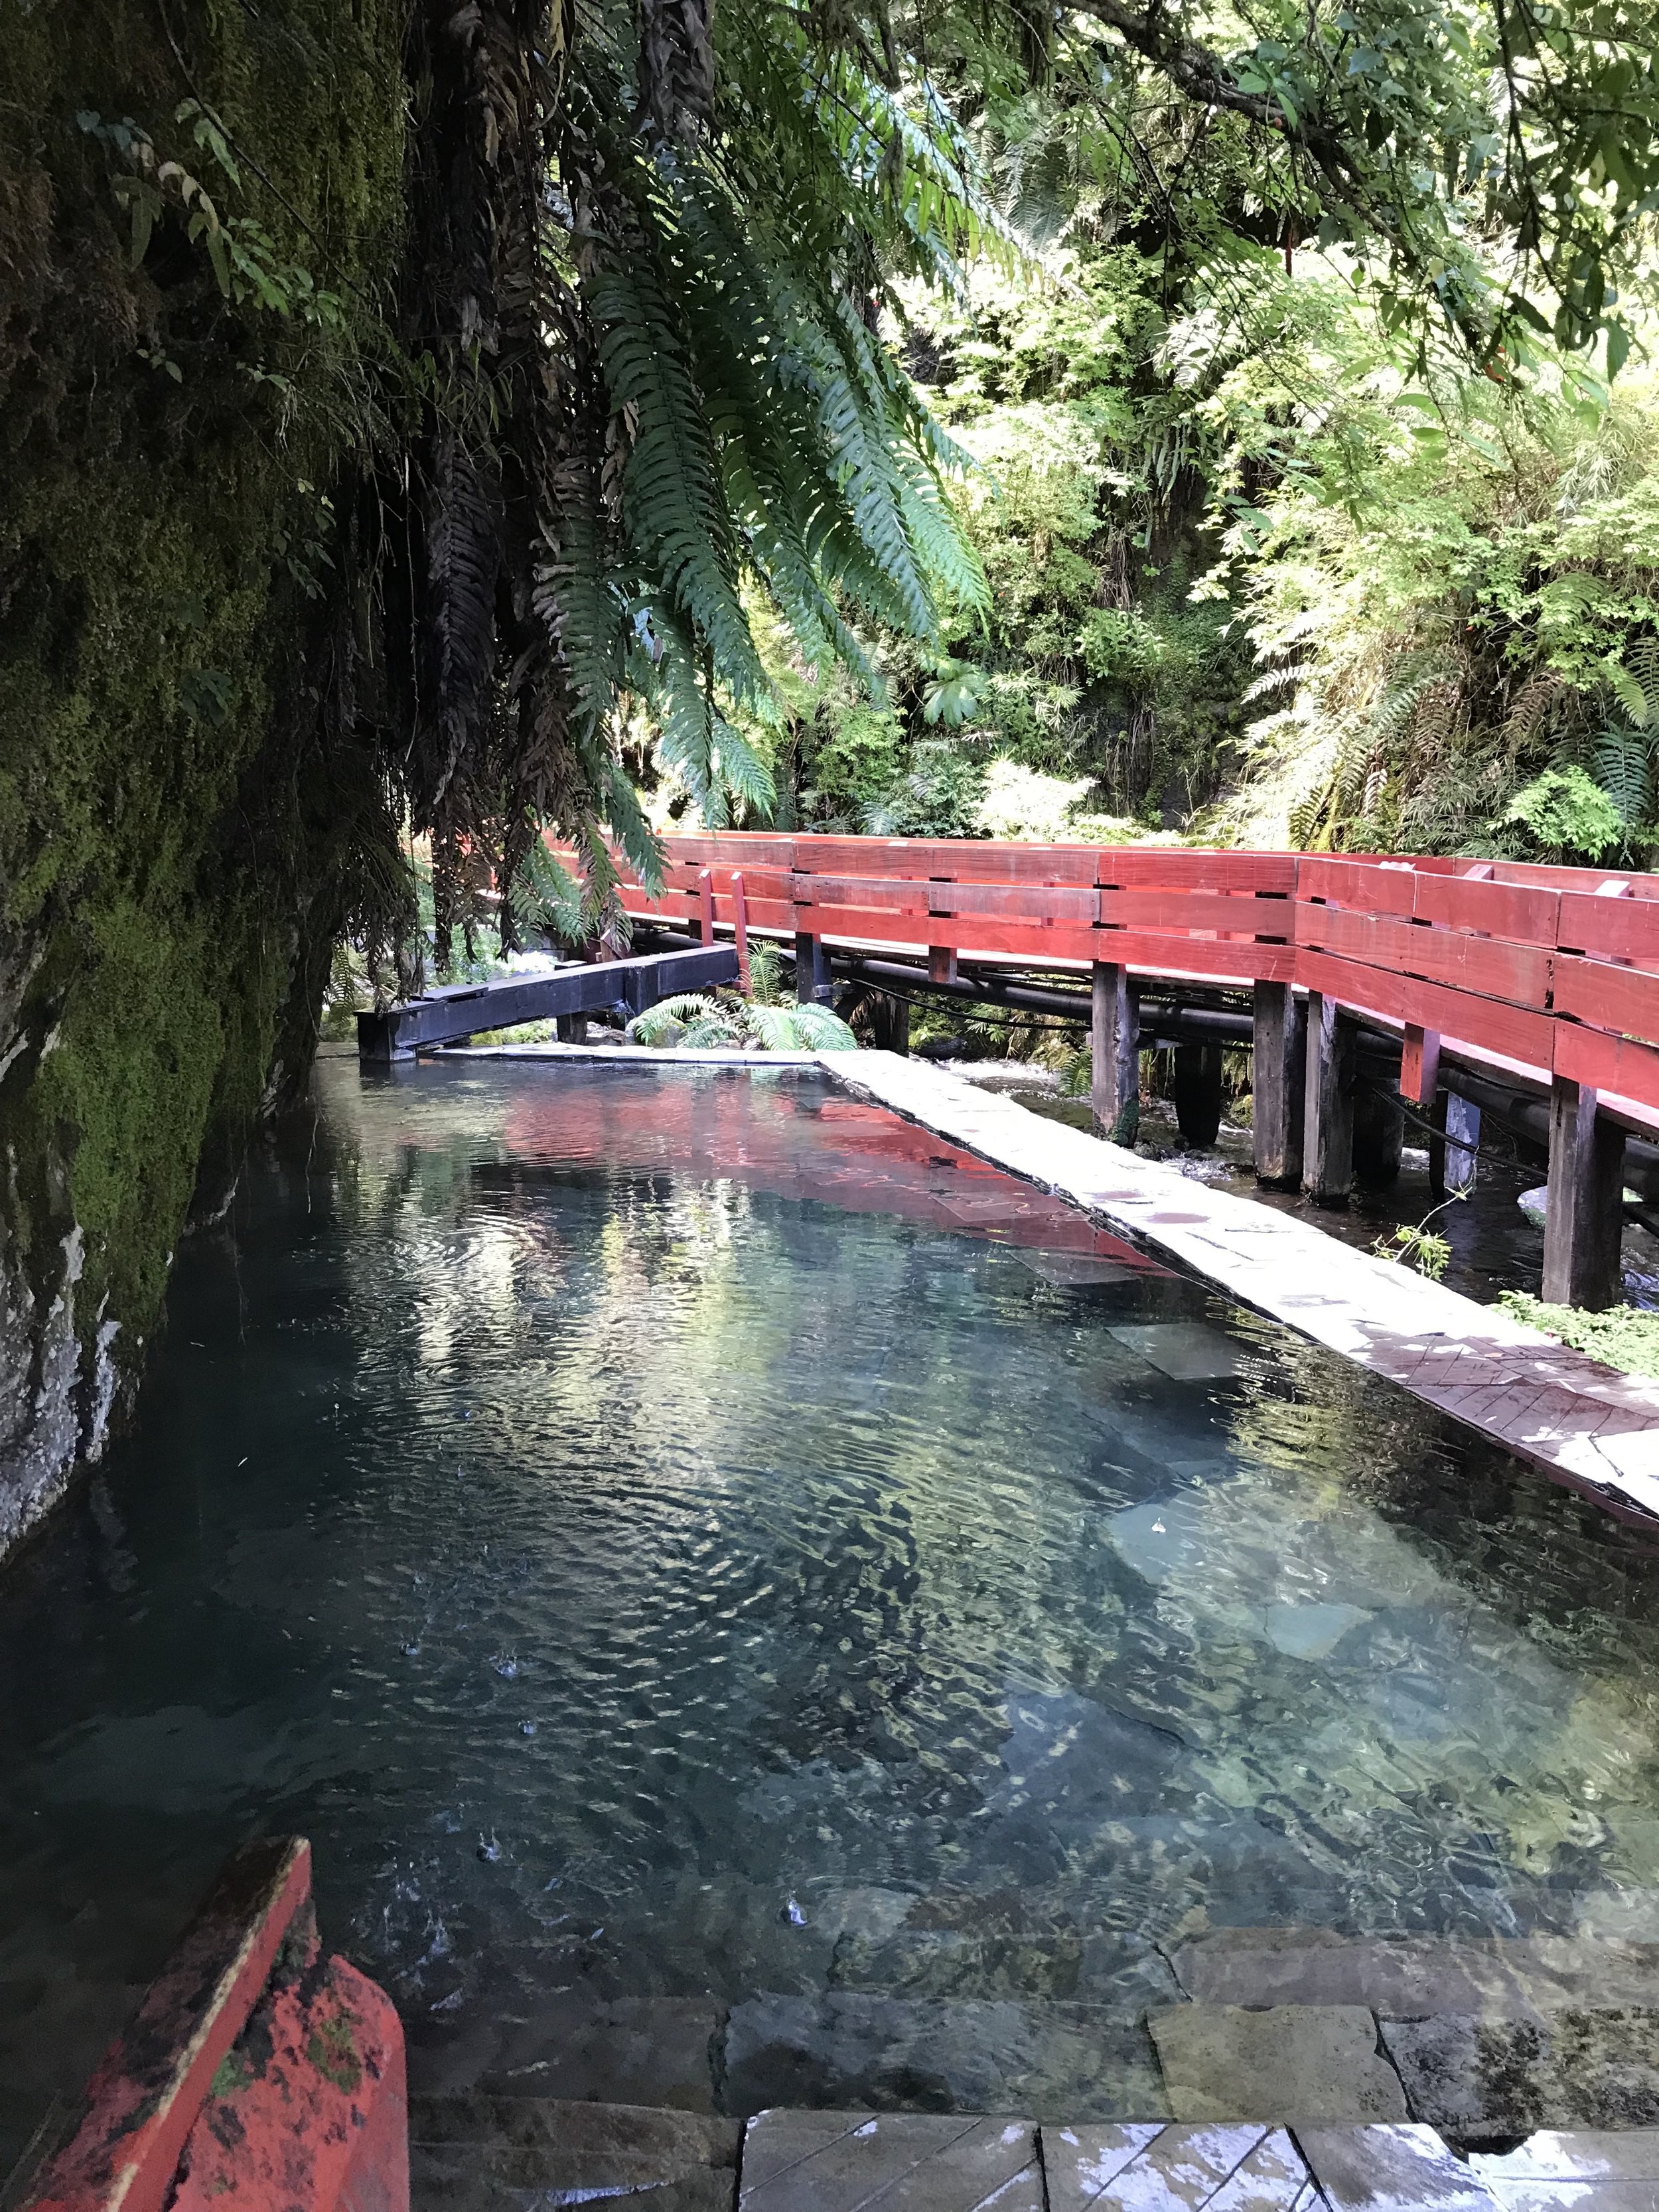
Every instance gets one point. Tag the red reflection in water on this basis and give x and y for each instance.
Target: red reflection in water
(799, 1145)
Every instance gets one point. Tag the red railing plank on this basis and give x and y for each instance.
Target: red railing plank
(1623, 1000)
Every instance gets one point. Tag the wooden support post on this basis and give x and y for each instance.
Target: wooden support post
(891, 1019)
(941, 963)
(1584, 1218)
(1452, 1146)
(1198, 1092)
(1327, 1103)
(1115, 1042)
(813, 980)
(1379, 1137)
(1419, 1064)
(706, 897)
(740, 923)
(1279, 1055)
(572, 1029)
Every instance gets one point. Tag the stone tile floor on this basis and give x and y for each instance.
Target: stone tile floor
(505, 2154)
(1579, 1420)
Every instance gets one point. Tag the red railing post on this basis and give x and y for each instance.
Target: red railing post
(706, 893)
(740, 923)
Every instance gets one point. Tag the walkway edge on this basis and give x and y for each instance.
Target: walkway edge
(1583, 1424)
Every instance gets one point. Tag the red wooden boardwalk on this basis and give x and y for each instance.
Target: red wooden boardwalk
(1554, 970)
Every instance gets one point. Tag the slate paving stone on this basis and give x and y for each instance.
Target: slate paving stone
(1175, 2169)
(1296, 2064)
(1483, 2081)
(1594, 2169)
(1390, 2169)
(636, 2051)
(485, 2154)
(1185, 1351)
(887, 2054)
(795, 2162)
(1414, 1977)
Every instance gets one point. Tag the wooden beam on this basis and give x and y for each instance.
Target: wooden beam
(1419, 1064)
(1115, 1040)
(1327, 1103)
(1278, 1057)
(1583, 1222)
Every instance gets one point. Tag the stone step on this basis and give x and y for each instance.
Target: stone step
(482, 2153)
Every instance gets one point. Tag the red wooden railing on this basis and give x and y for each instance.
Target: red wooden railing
(1554, 969)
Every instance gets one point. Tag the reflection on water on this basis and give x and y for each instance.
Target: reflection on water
(669, 1531)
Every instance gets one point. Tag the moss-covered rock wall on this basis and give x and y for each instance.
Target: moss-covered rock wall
(182, 422)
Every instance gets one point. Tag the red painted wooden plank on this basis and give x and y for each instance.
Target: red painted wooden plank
(140, 2105)
(316, 2118)
(1076, 905)
(1162, 868)
(890, 894)
(1462, 1017)
(1180, 911)
(1611, 928)
(1230, 957)
(1489, 966)
(1365, 887)
(1607, 1063)
(1519, 912)
(1624, 1001)
(955, 859)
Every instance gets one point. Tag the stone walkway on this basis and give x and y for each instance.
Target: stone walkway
(507, 2154)
(1580, 1421)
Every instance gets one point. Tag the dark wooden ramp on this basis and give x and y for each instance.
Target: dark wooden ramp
(465, 1009)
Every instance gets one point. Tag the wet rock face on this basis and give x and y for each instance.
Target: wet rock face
(57, 1392)
(58, 1371)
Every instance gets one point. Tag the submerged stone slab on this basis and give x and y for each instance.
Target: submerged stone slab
(1480, 2081)
(1558, 1408)
(508, 2154)
(1296, 2064)
(888, 2054)
(1414, 1977)
(634, 2050)
(1185, 1351)
(1175, 2169)
(796, 2161)
(1390, 2169)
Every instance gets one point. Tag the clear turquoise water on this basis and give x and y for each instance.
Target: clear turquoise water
(603, 1509)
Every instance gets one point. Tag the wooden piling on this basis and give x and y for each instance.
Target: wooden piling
(1584, 1221)
(1327, 1103)
(1278, 1057)
(813, 980)
(1198, 1092)
(891, 1019)
(1454, 1146)
(1379, 1136)
(1114, 1039)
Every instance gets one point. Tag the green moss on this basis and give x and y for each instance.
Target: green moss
(1625, 1336)
(160, 538)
